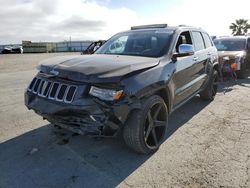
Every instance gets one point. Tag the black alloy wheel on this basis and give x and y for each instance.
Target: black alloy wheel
(145, 129)
(211, 89)
(155, 125)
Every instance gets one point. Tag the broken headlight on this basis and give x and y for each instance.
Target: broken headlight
(106, 94)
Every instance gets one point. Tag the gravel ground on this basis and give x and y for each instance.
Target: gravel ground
(207, 144)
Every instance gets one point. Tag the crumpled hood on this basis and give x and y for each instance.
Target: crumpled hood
(231, 54)
(95, 68)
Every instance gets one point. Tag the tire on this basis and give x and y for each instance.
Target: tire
(145, 129)
(242, 73)
(210, 91)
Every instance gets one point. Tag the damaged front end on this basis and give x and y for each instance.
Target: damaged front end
(230, 63)
(69, 104)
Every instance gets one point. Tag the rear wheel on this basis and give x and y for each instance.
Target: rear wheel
(145, 129)
(210, 91)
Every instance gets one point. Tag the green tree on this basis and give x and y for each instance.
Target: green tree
(240, 27)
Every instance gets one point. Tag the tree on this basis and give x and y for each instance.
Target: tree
(240, 27)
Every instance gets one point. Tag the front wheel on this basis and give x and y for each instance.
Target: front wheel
(211, 89)
(145, 129)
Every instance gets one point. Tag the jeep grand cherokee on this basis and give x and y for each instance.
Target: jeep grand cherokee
(131, 84)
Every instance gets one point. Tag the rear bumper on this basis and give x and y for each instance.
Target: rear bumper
(87, 116)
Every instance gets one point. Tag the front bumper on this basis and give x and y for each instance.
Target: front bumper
(227, 66)
(85, 115)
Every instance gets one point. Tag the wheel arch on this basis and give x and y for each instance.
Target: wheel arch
(164, 93)
(216, 66)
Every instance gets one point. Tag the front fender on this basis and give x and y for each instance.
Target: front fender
(150, 81)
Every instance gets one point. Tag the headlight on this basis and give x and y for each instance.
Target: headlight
(237, 59)
(226, 58)
(106, 94)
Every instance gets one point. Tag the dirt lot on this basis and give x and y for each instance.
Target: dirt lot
(207, 144)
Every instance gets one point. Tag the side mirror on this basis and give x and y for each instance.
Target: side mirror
(184, 50)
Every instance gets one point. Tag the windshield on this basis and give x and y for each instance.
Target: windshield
(230, 44)
(150, 43)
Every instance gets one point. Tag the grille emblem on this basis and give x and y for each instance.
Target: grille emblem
(54, 72)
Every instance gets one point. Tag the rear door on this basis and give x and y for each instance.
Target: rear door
(211, 51)
(201, 57)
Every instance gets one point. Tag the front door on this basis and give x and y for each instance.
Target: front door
(184, 70)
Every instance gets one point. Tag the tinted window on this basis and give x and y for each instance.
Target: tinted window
(184, 38)
(151, 43)
(230, 44)
(198, 41)
(207, 40)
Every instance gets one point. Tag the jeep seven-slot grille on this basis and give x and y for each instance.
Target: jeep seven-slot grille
(52, 90)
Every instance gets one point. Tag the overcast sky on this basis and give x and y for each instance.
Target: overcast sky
(58, 20)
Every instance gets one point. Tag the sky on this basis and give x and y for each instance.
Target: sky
(60, 20)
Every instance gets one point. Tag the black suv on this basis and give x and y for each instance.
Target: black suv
(131, 84)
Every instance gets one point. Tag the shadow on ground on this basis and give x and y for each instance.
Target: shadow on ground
(46, 157)
(227, 84)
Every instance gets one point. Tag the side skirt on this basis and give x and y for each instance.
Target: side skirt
(185, 101)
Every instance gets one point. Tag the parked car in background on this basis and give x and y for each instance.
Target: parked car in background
(6, 50)
(13, 50)
(234, 54)
(131, 84)
(93, 47)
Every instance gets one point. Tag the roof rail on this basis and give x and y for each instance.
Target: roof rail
(149, 26)
(183, 25)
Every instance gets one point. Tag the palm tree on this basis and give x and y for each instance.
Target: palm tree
(240, 27)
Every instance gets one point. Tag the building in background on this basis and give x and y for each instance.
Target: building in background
(38, 47)
(49, 47)
(72, 46)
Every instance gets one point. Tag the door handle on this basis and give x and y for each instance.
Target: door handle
(209, 53)
(195, 58)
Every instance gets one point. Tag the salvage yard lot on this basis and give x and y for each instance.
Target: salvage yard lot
(207, 144)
